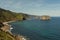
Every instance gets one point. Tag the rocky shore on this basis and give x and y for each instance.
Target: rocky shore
(7, 29)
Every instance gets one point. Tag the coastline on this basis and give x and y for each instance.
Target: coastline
(17, 37)
(8, 22)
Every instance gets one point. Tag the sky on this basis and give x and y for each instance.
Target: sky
(32, 7)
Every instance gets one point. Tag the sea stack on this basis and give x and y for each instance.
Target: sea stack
(45, 17)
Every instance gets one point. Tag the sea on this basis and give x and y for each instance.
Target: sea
(36, 29)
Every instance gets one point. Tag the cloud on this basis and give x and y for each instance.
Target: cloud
(36, 7)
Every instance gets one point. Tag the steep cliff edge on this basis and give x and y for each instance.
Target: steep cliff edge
(6, 36)
(45, 17)
(6, 15)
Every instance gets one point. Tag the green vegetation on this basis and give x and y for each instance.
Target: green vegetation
(5, 36)
(6, 15)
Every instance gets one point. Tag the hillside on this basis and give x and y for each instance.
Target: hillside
(6, 36)
(6, 15)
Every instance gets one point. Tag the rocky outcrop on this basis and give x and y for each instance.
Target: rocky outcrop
(5, 33)
(45, 17)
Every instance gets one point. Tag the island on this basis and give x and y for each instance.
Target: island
(45, 17)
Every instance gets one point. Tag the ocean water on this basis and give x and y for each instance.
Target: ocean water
(38, 29)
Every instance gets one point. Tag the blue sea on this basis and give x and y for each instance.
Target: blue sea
(36, 29)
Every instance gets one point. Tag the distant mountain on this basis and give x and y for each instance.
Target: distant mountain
(6, 15)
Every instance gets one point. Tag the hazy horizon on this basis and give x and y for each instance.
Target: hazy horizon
(32, 7)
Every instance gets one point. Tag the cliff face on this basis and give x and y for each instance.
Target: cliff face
(6, 15)
(45, 17)
(8, 36)
(5, 36)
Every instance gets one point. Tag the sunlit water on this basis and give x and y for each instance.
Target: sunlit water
(38, 30)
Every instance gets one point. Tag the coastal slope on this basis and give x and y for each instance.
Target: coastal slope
(6, 15)
(6, 36)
